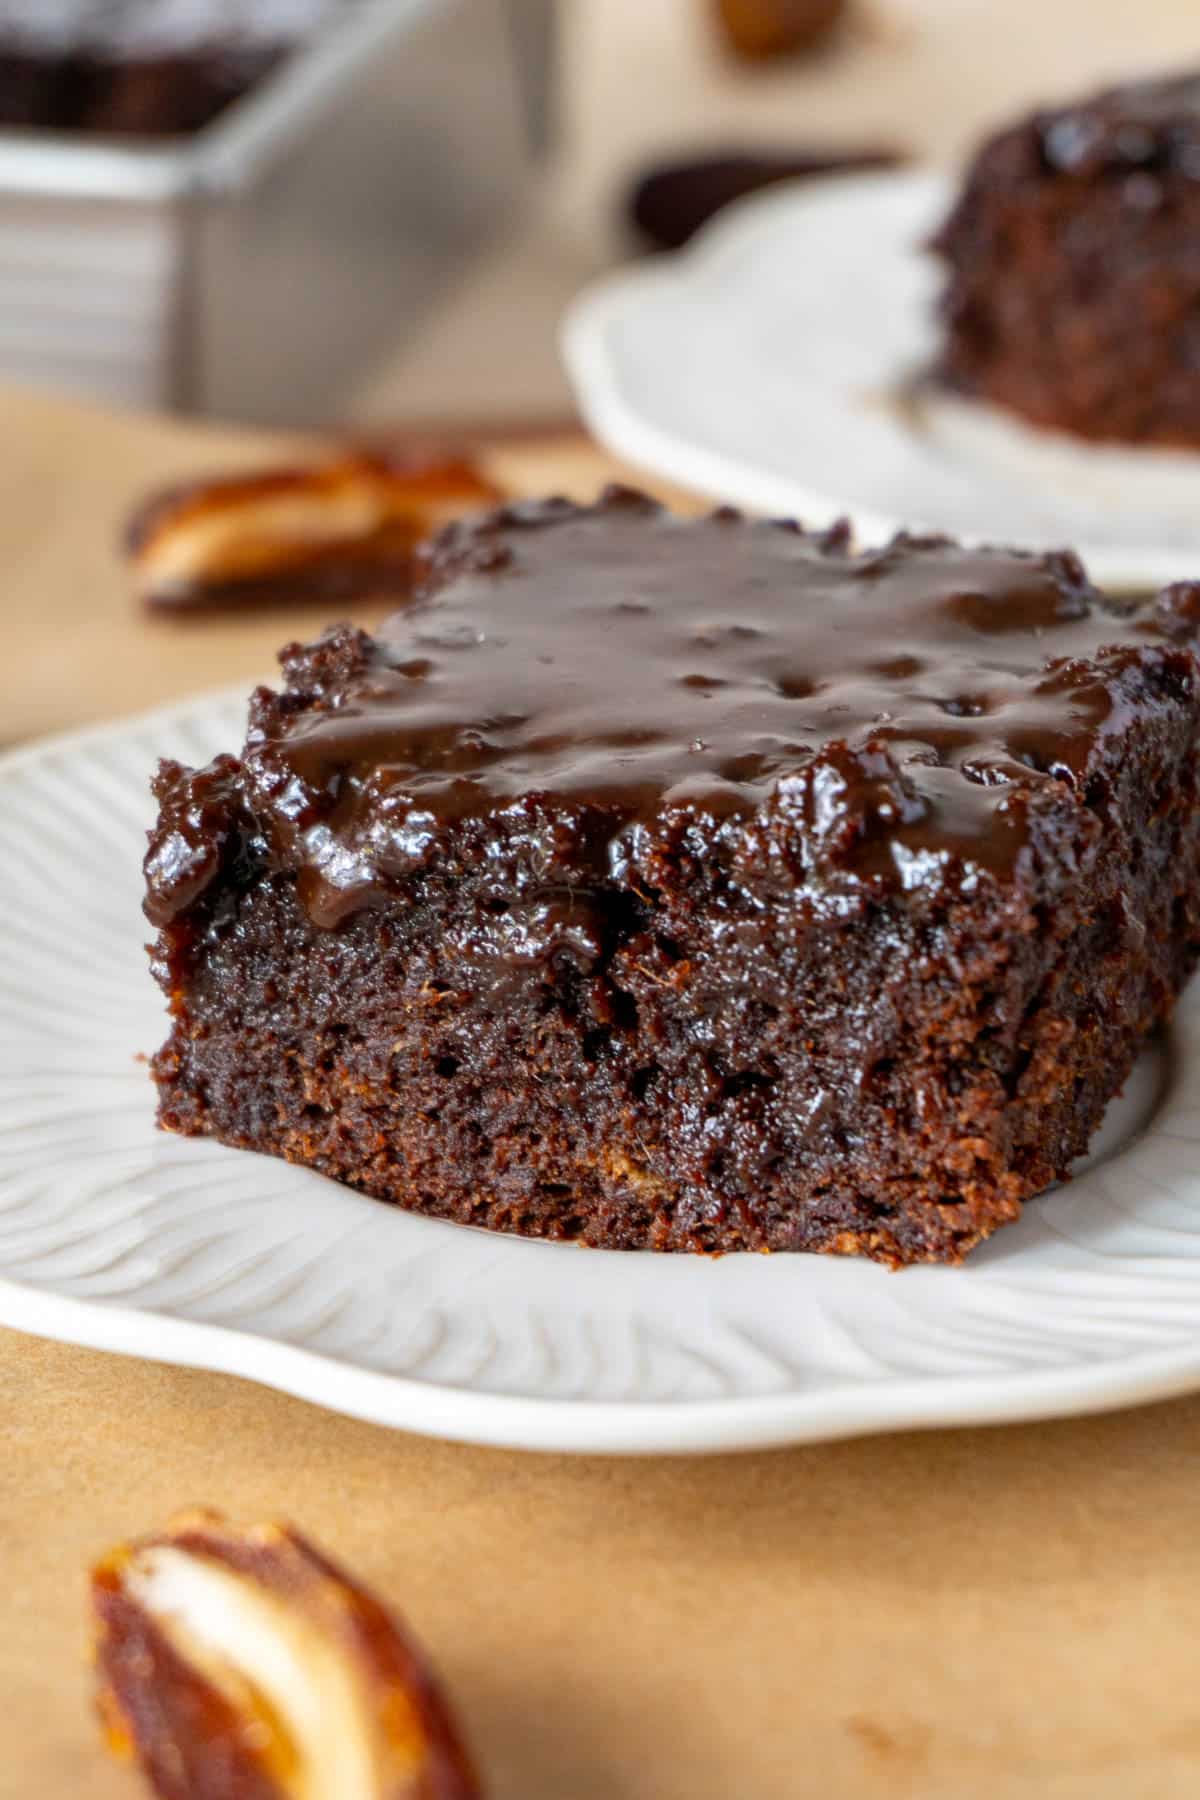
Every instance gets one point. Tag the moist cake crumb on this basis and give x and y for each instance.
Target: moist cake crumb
(692, 884)
(1073, 292)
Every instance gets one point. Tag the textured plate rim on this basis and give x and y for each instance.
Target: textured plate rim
(589, 321)
(651, 1428)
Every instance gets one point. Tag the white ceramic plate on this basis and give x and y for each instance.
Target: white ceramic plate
(114, 1235)
(772, 364)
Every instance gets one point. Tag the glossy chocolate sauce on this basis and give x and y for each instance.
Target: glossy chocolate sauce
(1141, 126)
(623, 664)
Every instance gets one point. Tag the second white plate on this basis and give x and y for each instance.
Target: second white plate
(771, 364)
(114, 1235)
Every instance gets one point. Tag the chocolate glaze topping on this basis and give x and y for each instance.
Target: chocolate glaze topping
(1141, 126)
(585, 678)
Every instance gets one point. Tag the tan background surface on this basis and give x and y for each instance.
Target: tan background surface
(992, 1615)
(1003, 1614)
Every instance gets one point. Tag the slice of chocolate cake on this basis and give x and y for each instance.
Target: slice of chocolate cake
(692, 884)
(1073, 295)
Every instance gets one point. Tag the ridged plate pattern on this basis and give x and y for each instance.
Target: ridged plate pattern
(115, 1235)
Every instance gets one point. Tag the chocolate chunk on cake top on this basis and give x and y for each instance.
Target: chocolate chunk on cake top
(692, 884)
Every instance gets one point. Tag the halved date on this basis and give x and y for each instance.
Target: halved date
(243, 1665)
(330, 531)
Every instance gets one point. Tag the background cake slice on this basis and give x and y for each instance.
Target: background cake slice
(1073, 291)
(692, 884)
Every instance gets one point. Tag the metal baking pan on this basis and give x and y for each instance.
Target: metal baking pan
(257, 269)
